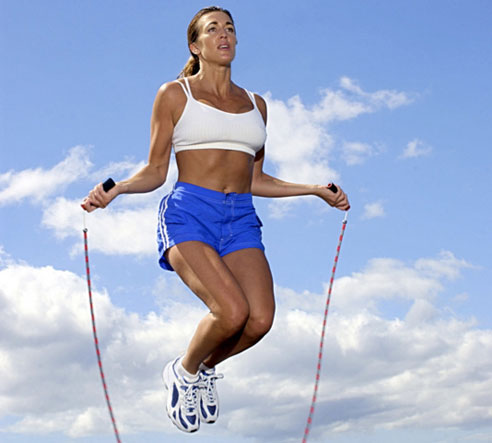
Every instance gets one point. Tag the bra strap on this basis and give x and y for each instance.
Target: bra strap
(188, 87)
(251, 97)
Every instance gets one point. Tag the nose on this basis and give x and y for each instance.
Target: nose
(222, 33)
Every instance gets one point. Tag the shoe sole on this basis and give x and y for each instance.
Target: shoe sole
(167, 384)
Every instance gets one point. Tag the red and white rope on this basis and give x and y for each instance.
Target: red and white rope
(96, 342)
(321, 344)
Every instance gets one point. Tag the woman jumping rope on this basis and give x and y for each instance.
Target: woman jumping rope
(208, 231)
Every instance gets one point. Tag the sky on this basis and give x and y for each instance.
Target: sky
(389, 99)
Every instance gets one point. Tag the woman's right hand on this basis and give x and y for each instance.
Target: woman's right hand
(98, 198)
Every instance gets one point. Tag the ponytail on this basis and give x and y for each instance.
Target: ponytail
(191, 68)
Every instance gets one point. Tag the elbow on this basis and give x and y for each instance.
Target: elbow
(161, 177)
(257, 185)
(162, 174)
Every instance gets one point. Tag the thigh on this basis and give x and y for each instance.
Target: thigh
(206, 274)
(252, 272)
(186, 215)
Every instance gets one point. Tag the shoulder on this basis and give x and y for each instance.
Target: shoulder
(171, 91)
(170, 98)
(262, 106)
(260, 102)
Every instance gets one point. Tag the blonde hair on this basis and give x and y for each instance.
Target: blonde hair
(193, 64)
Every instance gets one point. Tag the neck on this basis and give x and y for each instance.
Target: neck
(215, 79)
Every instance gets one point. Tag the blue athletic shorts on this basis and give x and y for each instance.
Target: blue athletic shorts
(227, 222)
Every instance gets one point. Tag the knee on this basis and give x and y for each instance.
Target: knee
(232, 319)
(258, 326)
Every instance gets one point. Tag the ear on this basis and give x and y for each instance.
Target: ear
(194, 49)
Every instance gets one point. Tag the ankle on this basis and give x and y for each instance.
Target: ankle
(185, 371)
(205, 367)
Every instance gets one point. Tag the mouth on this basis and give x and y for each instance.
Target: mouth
(224, 47)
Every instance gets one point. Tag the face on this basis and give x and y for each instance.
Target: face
(216, 40)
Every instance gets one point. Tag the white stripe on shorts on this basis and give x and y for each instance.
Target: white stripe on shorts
(162, 223)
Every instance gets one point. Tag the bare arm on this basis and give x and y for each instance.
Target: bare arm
(153, 174)
(264, 185)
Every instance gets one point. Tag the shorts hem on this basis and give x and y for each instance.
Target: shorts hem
(239, 246)
(164, 264)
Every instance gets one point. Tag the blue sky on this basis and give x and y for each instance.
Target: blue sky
(390, 99)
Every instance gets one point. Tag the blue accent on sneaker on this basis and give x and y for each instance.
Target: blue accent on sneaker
(183, 399)
(183, 423)
(209, 400)
(175, 397)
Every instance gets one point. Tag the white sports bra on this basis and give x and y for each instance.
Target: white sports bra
(202, 126)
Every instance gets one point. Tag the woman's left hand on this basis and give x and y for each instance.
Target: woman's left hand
(337, 199)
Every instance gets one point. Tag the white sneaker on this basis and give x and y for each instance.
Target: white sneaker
(209, 400)
(182, 398)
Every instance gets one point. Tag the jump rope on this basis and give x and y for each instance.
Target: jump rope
(107, 185)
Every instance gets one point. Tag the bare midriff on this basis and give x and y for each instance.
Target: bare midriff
(217, 169)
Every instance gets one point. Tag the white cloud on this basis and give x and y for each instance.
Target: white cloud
(421, 369)
(351, 101)
(445, 265)
(337, 106)
(48, 366)
(127, 226)
(355, 153)
(38, 184)
(416, 148)
(5, 257)
(461, 297)
(383, 98)
(386, 278)
(373, 210)
(112, 231)
(300, 145)
(298, 138)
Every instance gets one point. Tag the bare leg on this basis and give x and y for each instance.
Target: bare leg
(207, 275)
(251, 270)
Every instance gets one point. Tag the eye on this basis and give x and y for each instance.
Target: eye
(230, 29)
(211, 29)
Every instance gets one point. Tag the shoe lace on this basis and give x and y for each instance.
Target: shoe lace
(191, 396)
(209, 384)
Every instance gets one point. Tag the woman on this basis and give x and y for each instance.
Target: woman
(208, 229)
